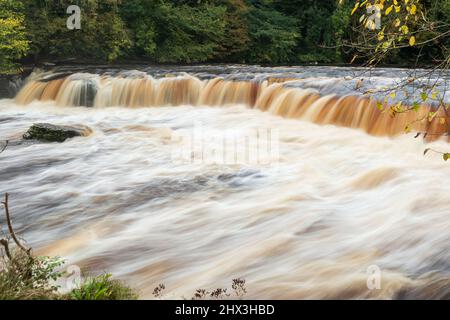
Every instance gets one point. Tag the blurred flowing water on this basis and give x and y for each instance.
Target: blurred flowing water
(309, 224)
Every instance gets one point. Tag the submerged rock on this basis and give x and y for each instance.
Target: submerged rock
(55, 133)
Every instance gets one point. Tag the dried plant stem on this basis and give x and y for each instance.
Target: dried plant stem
(11, 232)
(4, 147)
(5, 245)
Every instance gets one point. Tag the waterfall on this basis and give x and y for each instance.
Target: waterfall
(275, 95)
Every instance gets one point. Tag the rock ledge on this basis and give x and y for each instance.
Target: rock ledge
(55, 133)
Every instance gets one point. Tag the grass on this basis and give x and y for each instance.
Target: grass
(24, 277)
(102, 287)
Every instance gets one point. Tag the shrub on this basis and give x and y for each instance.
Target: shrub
(102, 287)
(26, 278)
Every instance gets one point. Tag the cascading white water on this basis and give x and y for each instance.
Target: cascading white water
(321, 101)
(310, 223)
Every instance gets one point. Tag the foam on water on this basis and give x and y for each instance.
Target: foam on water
(337, 201)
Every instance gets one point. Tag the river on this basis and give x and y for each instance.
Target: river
(328, 193)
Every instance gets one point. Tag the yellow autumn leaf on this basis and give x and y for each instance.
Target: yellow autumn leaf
(408, 128)
(355, 8)
(388, 10)
(404, 29)
(412, 41)
(434, 95)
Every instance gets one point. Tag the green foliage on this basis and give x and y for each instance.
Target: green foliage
(191, 31)
(340, 31)
(102, 288)
(408, 29)
(321, 26)
(103, 35)
(273, 36)
(13, 44)
(438, 11)
(174, 33)
(28, 278)
(236, 40)
(31, 278)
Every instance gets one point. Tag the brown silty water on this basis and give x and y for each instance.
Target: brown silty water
(359, 112)
(347, 191)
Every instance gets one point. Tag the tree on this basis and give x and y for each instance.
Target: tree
(102, 36)
(408, 28)
(273, 35)
(13, 44)
(321, 25)
(190, 34)
(179, 32)
(256, 31)
(236, 38)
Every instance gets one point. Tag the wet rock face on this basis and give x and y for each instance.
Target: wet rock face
(4, 92)
(55, 133)
(88, 93)
(9, 86)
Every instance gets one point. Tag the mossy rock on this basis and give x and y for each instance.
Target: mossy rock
(55, 133)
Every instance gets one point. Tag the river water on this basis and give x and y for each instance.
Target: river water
(312, 217)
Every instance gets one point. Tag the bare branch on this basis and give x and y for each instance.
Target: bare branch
(5, 245)
(4, 147)
(11, 229)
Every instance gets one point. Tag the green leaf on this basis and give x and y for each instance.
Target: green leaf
(446, 156)
(424, 96)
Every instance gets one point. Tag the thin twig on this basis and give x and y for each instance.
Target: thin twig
(5, 245)
(11, 229)
(4, 147)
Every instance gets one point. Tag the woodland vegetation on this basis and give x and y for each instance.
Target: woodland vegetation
(196, 31)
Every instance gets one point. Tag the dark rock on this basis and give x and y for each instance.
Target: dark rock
(88, 93)
(9, 86)
(4, 88)
(55, 133)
